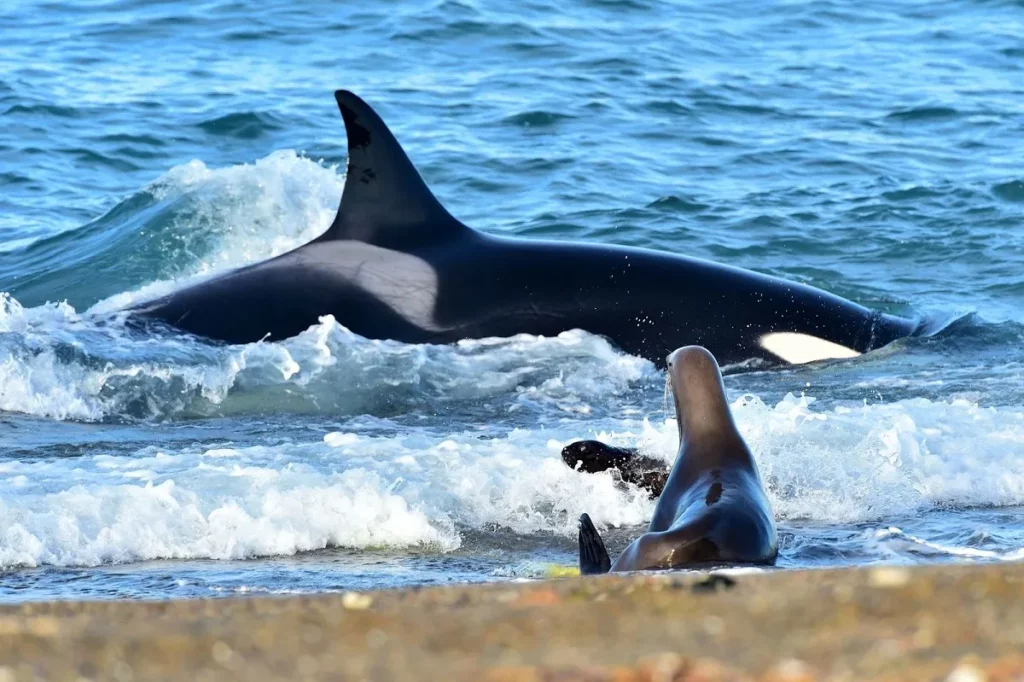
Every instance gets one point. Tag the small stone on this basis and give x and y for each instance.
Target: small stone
(40, 626)
(123, 672)
(222, 653)
(791, 670)
(308, 666)
(356, 601)
(714, 583)
(513, 674)
(924, 637)
(844, 593)
(540, 598)
(967, 672)
(713, 625)
(312, 635)
(376, 638)
(889, 577)
(663, 667)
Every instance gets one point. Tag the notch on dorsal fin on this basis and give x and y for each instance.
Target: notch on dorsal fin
(385, 201)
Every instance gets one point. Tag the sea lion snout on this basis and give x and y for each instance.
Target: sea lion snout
(691, 354)
(592, 456)
(691, 364)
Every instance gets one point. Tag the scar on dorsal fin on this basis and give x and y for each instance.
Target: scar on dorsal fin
(385, 201)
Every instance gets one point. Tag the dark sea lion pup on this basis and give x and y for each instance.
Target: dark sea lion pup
(713, 509)
(593, 456)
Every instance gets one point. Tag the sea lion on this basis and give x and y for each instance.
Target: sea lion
(593, 456)
(713, 509)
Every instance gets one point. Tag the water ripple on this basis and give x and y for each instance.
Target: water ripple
(872, 149)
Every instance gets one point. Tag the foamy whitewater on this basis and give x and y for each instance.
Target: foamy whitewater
(144, 152)
(421, 488)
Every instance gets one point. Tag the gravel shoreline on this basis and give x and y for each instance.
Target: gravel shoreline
(957, 623)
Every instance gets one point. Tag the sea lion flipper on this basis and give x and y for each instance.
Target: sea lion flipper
(594, 558)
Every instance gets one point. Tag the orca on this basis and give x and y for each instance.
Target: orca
(395, 264)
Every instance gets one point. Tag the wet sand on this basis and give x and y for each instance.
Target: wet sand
(955, 623)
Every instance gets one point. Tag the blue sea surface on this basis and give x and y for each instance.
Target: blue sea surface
(871, 149)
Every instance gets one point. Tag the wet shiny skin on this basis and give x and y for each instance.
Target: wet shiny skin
(713, 508)
(395, 265)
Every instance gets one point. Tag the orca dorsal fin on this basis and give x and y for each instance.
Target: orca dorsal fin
(385, 201)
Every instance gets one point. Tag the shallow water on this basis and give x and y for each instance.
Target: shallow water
(870, 150)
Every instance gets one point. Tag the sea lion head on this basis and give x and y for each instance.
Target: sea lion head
(696, 381)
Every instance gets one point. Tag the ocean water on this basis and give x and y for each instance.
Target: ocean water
(870, 149)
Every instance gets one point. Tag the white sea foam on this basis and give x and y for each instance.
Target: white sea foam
(254, 211)
(425, 487)
(894, 538)
(348, 491)
(869, 461)
(60, 366)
